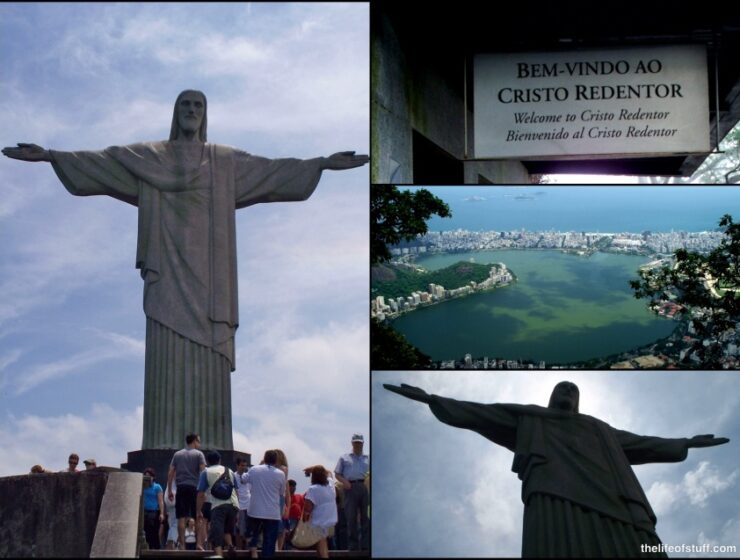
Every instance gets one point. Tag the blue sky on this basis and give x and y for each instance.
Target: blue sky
(450, 492)
(281, 80)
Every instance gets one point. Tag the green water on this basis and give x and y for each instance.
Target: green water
(563, 308)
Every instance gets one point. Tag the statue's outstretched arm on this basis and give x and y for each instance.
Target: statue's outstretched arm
(706, 440)
(27, 152)
(493, 421)
(345, 160)
(410, 392)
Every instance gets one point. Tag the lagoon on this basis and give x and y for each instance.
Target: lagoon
(563, 308)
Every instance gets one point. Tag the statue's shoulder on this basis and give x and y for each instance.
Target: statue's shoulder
(141, 147)
(225, 148)
(523, 408)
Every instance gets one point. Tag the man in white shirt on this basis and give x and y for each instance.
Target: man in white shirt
(268, 483)
(243, 492)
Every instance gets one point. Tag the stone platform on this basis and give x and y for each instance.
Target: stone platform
(160, 459)
(51, 515)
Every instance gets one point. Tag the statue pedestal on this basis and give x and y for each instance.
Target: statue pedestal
(160, 459)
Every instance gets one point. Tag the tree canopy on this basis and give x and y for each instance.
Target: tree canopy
(705, 284)
(397, 216)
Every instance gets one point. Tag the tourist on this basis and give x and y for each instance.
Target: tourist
(190, 538)
(319, 507)
(38, 469)
(185, 471)
(153, 510)
(296, 508)
(223, 509)
(268, 484)
(72, 463)
(340, 540)
(171, 540)
(351, 471)
(243, 493)
(282, 464)
(90, 464)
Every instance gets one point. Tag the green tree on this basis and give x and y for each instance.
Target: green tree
(707, 283)
(389, 349)
(719, 168)
(397, 216)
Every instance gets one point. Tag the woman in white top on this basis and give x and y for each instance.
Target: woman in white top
(320, 508)
(172, 536)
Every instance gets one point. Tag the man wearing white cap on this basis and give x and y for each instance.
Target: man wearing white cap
(352, 468)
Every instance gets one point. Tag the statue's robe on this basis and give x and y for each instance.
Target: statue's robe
(187, 194)
(581, 497)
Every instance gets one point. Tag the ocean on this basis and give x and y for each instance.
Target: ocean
(586, 208)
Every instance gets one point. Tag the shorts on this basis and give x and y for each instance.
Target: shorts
(242, 524)
(223, 519)
(206, 510)
(172, 523)
(185, 501)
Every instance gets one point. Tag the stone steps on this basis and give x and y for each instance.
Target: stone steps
(246, 554)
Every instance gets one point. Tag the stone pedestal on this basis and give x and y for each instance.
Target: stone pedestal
(160, 459)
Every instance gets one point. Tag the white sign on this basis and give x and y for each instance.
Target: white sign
(614, 102)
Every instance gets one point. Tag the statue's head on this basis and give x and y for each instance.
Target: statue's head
(190, 115)
(564, 396)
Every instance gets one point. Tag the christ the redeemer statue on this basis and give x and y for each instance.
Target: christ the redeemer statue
(581, 497)
(187, 191)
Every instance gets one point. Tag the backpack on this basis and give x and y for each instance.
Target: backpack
(223, 487)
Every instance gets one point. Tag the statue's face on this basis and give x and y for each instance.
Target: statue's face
(190, 111)
(564, 396)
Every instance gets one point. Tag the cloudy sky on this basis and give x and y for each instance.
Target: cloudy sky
(450, 492)
(281, 80)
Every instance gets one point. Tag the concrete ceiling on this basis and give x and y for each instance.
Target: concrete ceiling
(460, 30)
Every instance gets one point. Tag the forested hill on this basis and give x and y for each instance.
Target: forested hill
(394, 281)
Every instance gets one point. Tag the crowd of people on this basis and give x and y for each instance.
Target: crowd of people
(208, 506)
(72, 463)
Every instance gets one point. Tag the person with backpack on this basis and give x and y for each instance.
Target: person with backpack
(218, 485)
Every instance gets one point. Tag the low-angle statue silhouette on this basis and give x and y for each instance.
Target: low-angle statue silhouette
(581, 496)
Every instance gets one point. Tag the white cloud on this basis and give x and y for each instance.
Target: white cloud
(495, 500)
(702, 483)
(9, 358)
(728, 536)
(60, 250)
(302, 391)
(328, 363)
(119, 347)
(101, 432)
(696, 487)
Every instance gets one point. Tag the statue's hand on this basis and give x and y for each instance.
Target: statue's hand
(410, 392)
(27, 152)
(706, 440)
(345, 160)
